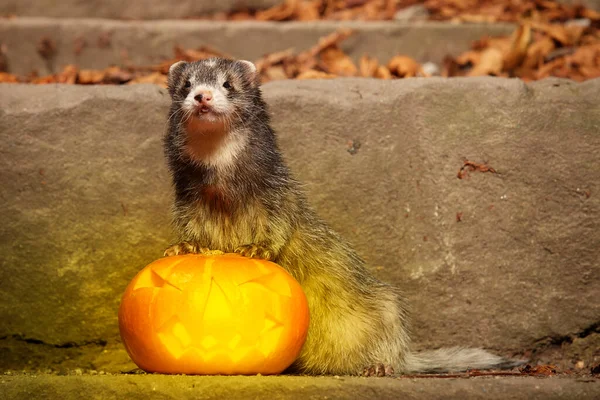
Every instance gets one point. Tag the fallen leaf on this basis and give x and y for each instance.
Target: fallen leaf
(368, 66)
(90, 77)
(8, 78)
(68, 75)
(116, 75)
(537, 52)
(313, 74)
(282, 12)
(469, 166)
(490, 63)
(330, 40)
(545, 370)
(335, 61)
(520, 40)
(383, 73)
(155, 78)
(404, 67)
(309, 10)
(275, 73)
(471, 57)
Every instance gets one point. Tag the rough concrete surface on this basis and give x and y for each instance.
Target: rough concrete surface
(85, 197)
(292, 387)
(139, 9)
(145, 43)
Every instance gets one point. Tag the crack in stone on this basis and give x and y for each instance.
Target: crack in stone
(67, 345)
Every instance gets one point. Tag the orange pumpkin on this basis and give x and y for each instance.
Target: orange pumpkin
(216, 314)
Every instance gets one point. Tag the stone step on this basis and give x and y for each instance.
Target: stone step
(135, 387)
(501, 260)
(149, 42)
(148, 9)
(140, 9)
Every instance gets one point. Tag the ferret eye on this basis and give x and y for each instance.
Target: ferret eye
(227, 85)
(188, 84)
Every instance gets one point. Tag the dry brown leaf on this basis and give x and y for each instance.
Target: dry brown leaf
(469, 57)
(335, 61)
(68, 74)
(90, 76)
(309, 10)
(275, 73)
(590, 14)
(281, 12)
(43, 80)
(116, 75)
(155, 78)
(272, 59)
(537, 52)
(489, 64)
(330, 40)
(547, 69)
(383, 73)
(313, 74)
(404, 67)
(368, 66)
(199, 54)
(8, 78)
(555, 31)
(546, 370)
(520, 40)
(589, 72)
(586, 55)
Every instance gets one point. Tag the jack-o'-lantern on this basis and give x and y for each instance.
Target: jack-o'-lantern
(215, 314)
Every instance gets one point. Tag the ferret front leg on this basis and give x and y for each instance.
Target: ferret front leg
(256, 250)
(189, 248)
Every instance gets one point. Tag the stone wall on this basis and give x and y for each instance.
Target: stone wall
(502, 260)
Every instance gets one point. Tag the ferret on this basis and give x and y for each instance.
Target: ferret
(235, 193)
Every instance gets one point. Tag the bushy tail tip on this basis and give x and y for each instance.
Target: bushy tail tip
(455, 359)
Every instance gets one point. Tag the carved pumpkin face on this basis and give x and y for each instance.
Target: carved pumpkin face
(219, 314)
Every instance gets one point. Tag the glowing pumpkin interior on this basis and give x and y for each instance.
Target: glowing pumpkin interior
(219, 314)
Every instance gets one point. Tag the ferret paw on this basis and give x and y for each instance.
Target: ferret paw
(378, 370)
(187, 248)
(255, 251)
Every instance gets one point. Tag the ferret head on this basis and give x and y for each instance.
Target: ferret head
(214, 90)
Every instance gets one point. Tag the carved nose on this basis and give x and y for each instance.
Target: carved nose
(203, 97)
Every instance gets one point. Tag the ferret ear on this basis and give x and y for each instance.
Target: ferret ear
(175, 71)
(251, 72)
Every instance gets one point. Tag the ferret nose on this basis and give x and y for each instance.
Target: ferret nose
(203, 97)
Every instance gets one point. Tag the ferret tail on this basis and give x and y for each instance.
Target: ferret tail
(455, 359)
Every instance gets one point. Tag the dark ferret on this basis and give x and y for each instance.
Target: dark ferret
(234, 193)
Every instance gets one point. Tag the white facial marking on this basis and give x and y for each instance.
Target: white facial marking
(219, 104)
